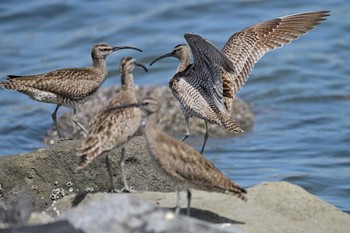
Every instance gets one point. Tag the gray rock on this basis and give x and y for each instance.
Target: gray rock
(17, 214)
(171, 117)
(127, 214)
(49, 174)
(54, 227)
(271, 207)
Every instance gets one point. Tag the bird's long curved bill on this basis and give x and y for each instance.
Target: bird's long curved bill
(126, 47)
(161, 57)
(140, 65)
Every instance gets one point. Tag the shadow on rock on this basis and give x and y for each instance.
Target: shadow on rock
(78, 199)
(207, 216)
(55, 227)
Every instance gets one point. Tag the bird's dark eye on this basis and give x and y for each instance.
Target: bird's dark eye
(105, 50)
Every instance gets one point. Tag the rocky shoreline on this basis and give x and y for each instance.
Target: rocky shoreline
(28, 182)
(41, 192)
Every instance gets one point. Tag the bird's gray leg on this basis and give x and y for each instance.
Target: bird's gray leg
(177, 207)
(109, 169)
(189, 195)
(76, 121)
(54, 118)
(122, 163)
(206, 135)
(187, 130)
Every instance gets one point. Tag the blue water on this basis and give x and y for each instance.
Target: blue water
(300, 93)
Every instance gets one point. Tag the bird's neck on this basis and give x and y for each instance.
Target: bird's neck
(100, 65)
(184, 62)
(127, 80)
(152, 127)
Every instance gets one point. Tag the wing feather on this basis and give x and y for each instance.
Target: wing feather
(246, 47)
(208, 60)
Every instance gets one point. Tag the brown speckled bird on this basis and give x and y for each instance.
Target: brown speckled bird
(182, 164)
(68, 87)
(110, 129)
(217, 85)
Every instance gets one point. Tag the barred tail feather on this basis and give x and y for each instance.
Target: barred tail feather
(87, 152)
(226, 186)
(235, 190)
(11, 86)
(230, 125)
(240, 195)
(228, 103)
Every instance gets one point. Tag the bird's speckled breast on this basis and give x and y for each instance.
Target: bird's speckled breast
(193, 100)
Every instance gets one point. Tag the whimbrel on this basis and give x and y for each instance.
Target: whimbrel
(182, 164)
(68, 87)
(109, 129)
(201, 81)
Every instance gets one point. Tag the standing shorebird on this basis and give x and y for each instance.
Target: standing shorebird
(180, 162)
(201, 81)
(109, 129)
(68, 87)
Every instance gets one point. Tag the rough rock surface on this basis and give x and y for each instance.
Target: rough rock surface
(271, 207)
(171, 117)
(40, 174)
(129, 214)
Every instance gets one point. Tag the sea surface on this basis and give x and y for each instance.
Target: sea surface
(300, 93)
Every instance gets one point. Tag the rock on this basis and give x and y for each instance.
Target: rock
(17, 214)
(271, 207)
(48, 174)
(171, 117)
(54, 227)
(127, 214)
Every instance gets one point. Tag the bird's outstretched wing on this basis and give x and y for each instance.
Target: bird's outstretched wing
(246, 47)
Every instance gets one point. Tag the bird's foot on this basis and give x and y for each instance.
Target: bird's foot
(115, 191)
(65, 139)
(126, 189)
